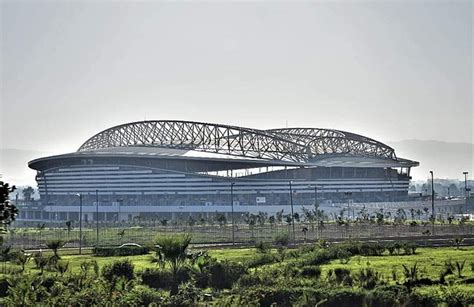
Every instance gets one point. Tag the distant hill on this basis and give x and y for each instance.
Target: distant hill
(445, 159)
(14, 166)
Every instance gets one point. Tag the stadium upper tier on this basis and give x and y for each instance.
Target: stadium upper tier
(195, 140)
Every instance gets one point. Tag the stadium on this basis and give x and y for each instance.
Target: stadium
(170, 167)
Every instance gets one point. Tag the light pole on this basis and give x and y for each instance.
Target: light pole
(97, 216)
(432, 201)
(315, 196)
(120, 200)
(232, 206)
(80, 223)
(292, 213)
(348, 194)
(465, 183)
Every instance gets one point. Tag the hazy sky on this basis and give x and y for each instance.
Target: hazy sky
(389, 70)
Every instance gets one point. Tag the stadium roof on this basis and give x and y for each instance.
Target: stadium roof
(297, 146)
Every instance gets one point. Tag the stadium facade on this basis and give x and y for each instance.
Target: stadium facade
(179, 167)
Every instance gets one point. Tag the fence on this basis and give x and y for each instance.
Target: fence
(35, 238)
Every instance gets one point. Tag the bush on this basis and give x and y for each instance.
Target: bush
(409, 248)
(389, 295)
(340, 276)
(264, 296)
(368, 278)
(120, 251)
(141, 296)
(123, 268)
(262, 247)
(350, 246)
(187, 295)
(222, 275)
(345, 297)
(161, 279)
(454, 296)
(312, 271)
(3, 287)
(261, 260)
(318, 257)
(281, 239)
(371, 249)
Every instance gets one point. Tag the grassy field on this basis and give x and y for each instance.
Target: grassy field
(430, 261)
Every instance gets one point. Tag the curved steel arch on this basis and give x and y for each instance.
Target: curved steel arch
(328, 141)
(223, 139)
(292, 144)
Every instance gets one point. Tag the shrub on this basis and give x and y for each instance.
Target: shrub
(162, 279)
(187, 295)
(318, 257)
(345, 297)
(249, 280)
(281, 239)
(350, 246)
(371, 249)
(222, 275)
(120, 251)
(343, 255)
(368, 278)
(141, 296)
(340, 276)
(3, 287)
(62, 267)
(262, 247)
(312, 271)
(454, 296)
(389, 295)
(119, 269)
(267, 296)
(261, 260)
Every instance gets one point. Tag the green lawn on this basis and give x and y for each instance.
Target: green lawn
(429, 261)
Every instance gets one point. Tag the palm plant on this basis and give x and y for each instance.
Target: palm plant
(411, 273)
(460, 267)
(62, 267)
(172, 250)
(5, 251)
(121, 234)
(458, 241)
(55, 245)
(40, 261)
(22, 258)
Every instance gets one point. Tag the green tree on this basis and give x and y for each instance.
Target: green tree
(8, 211)
(28, 193)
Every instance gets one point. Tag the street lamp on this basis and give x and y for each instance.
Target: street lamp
(120, 200)
(465, 183)
(348, 195)
(315, 196)
(80, 222)
(232, 206)
(97, 216)
(432, 201)
(292, 213)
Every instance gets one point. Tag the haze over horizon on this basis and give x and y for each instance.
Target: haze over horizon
(392, 71)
